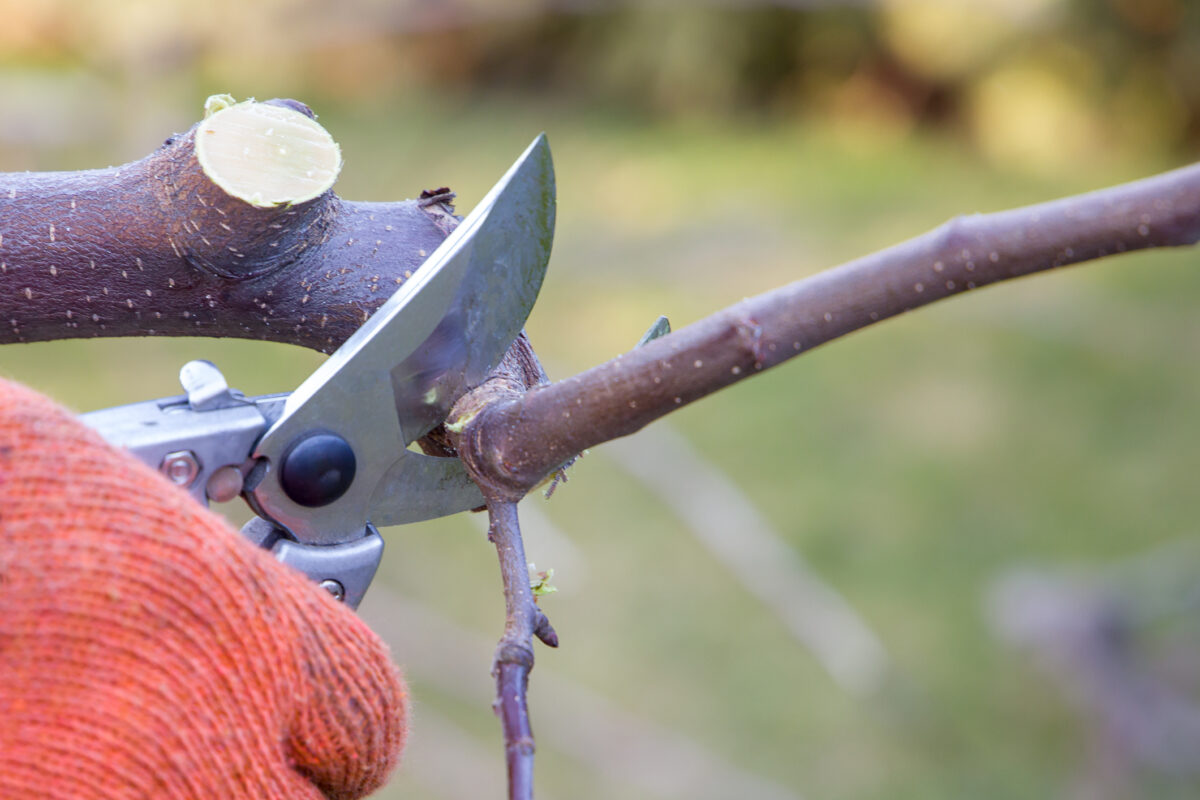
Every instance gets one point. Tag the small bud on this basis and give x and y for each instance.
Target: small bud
(539, 582)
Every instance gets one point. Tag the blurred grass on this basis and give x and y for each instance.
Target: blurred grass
(1051, 420)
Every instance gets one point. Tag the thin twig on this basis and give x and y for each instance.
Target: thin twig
(610, 745)
(514, 653)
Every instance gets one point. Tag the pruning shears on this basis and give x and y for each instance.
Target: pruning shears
(325, 466)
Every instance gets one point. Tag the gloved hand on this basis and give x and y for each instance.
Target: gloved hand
(148, 651)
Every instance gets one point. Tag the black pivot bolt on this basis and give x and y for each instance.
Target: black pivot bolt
(318, 469)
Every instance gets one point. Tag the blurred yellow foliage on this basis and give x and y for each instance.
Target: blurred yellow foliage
(1035, 112)
(945, 39)
(1029, 82)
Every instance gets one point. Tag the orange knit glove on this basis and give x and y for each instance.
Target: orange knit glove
(148, 650)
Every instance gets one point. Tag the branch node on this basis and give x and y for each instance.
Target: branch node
(524, 746)
(509, 652)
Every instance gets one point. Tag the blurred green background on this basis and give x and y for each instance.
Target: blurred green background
(707, 151)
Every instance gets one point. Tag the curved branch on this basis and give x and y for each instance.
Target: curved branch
(514, 442)
(161, 247)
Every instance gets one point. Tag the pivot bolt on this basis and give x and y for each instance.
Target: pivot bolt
(180, 467)
(318, 470)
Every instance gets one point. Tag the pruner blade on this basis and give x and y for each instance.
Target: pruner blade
(395, 378)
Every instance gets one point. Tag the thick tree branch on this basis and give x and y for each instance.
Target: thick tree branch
(514, 442)
(160, 247)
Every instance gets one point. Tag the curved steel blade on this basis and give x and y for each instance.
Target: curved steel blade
(440, 334)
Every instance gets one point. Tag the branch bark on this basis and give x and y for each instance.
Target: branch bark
(515, 441)
(157, 247)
